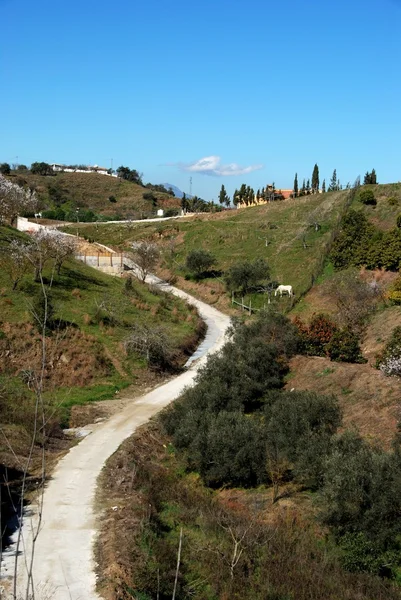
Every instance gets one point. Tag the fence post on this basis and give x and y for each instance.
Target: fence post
(111, 259)
(250, 306)
(98, 262)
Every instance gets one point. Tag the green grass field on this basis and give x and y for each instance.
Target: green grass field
(275, 231)
(278, 232)
(388, 207)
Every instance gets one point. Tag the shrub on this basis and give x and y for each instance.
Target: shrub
(199, 262)
(362, 494)
(392, 201)
(299, 426)
(171, 212)
(367, 197)
(399, 221)
(344, 347)
(5, 169)
(315, 337)
(112, 199)
(246, 275)
(349, 247)
(152, 343)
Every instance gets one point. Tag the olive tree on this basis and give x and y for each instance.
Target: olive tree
(246, 275)
(199, 261)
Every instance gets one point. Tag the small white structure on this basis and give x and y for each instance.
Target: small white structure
(57, 167)
(160, 212)
(89, 169)
(284, 289)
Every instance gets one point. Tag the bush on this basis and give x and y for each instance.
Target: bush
(112, 199)
(362, 494)
(236, 380)
(199, 262)
(172, 212)
(362, 555)
(5, 169)
(299, 426)
(246, 275)
(315, 337)
(344, 347)
(152, 343)
(399, 221)
(349, 247)
(392, 201)
(367, 197)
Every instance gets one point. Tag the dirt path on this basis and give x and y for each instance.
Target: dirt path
(63, 562)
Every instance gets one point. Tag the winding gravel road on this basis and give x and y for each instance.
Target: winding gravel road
(63, 562)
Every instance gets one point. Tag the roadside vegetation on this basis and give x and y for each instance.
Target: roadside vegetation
(89, 319)
(284, 460)
(263, 487)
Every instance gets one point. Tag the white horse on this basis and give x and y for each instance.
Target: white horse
(284, 288)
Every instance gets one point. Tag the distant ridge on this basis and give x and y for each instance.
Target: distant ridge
(178, 193)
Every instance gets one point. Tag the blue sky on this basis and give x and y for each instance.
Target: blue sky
(262, 89)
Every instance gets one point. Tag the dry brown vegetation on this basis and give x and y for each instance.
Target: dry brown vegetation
(236, 544)
(73, 358)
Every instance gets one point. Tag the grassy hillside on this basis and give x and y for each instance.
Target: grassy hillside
(91, 191)
(281, 232)
(388, 206)
(85, 355)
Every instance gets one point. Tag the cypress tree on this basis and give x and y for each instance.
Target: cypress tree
(373, 177)
(315, 179)
(333, 187)
(296, 185)
(223, 197)
(324, 186)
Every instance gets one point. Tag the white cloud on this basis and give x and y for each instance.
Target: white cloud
(211, 165)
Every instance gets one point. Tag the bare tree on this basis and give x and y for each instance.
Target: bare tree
(145, 254)
(153, 343)
(355, 299)
(276, 467)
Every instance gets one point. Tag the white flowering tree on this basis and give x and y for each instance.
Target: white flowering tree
(389, 362)
(15, 200)
(47, 245)
(14, 261)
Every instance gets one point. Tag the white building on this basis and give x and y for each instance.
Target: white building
(89, 169)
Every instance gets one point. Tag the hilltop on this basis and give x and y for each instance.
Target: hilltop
(108, 197)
